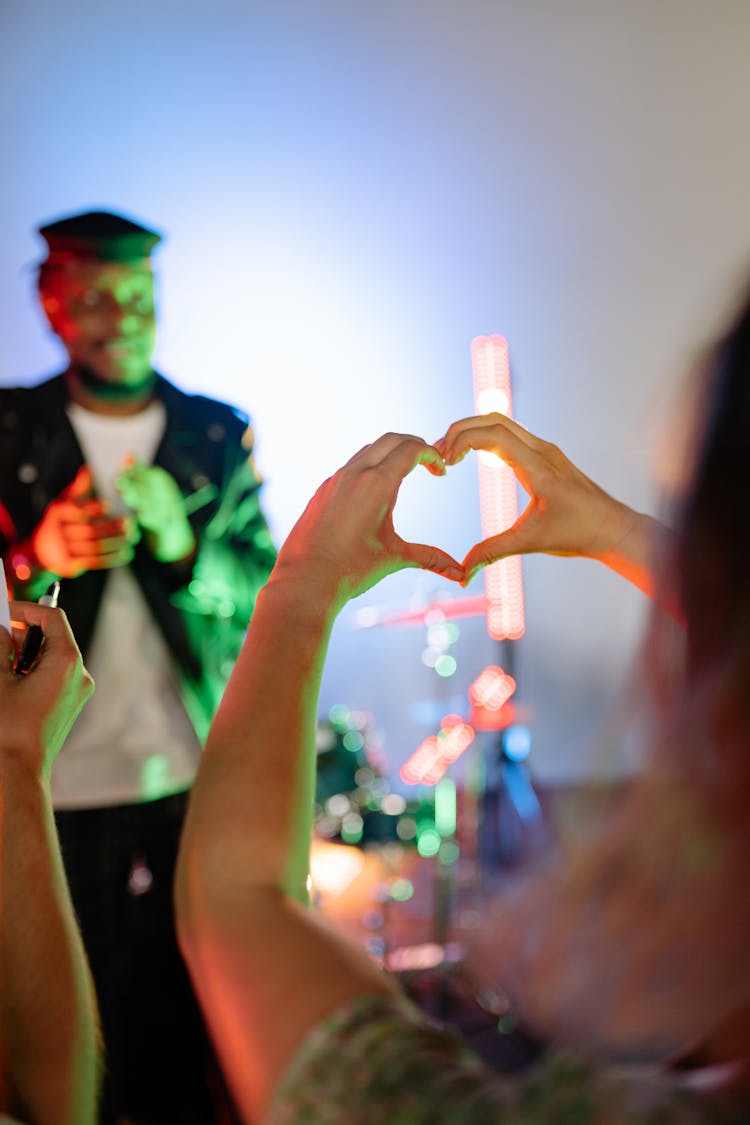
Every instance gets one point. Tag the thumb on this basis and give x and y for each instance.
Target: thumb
(514, 541)
(432, 558)
(82, 485)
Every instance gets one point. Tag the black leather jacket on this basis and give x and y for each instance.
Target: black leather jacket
(202, 606)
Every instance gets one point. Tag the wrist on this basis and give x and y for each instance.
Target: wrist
(22, 765)
(171, 543)
(617, 526)
(304, 596)
(629, 532)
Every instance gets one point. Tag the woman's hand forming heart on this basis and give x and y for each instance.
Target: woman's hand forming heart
(567, 513)
(345, 541)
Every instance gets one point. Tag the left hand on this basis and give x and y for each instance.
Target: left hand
(345, 541)
(154, 497)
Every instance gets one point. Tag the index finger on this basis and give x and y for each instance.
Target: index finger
(493, 433)
(500, 424)
(399, 453)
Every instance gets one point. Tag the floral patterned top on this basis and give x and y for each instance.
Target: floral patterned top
(379, 1062)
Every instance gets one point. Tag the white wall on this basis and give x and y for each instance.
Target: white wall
(351, 192)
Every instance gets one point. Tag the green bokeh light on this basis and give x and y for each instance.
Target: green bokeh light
(353, 741)
(402, 890)
(445, 806)
(449, 853)
(428, 842)
(339, 715)
(445, 665)
(406, 829)
(352, 827)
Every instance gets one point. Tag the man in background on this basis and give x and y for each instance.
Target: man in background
(144, 501)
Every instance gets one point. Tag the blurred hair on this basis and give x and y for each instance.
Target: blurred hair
(713, 566)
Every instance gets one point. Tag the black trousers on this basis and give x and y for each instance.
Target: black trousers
(160, 1068)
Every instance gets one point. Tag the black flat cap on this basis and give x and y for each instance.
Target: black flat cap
(99, 236)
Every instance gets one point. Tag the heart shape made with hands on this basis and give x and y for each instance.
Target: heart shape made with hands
(442, 511)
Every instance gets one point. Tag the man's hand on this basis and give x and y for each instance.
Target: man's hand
(39, 709)
(154, 497)
(567, 513)
(345, 541)
(77, 534)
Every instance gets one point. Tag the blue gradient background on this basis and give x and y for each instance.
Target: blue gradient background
(351, 192)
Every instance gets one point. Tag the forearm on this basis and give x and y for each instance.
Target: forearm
(252, 947)
(49, 1026)
(251, 810)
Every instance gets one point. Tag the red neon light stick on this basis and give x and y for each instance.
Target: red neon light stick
(497, 490)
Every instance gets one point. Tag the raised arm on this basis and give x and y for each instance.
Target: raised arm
(265, 970)
(567, 513)
(48, 1023)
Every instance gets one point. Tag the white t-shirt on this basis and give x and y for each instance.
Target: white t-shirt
(133, 740)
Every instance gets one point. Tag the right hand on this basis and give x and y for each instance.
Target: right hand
(39, 709)
(567, 513)
(77, 534)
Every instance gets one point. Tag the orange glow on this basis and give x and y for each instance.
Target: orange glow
(23, 572)
(333, 867)
(497, 490)
(484, 718)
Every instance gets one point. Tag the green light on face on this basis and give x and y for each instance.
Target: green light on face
(445, 806)
(445, 665)
(428, 842)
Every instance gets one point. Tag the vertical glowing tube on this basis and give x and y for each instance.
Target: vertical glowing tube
(497, 490)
